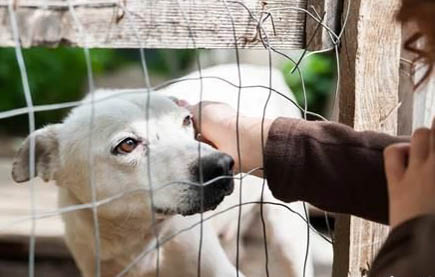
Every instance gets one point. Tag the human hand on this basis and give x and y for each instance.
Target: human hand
(218, 127)
(410, 170)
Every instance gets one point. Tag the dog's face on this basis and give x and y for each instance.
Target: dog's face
(124, 144)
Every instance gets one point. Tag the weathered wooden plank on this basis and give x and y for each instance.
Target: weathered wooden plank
(326, 10)
(370, 59)
(406, 86)
(155, 24)
(341, 245)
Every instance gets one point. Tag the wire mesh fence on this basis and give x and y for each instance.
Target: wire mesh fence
(156, 245)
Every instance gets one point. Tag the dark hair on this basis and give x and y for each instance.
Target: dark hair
(422, 14)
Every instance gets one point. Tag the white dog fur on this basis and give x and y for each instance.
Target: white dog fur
(63, 153)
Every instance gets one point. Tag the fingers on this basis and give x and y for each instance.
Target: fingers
(194, 109)
(420, 146)
(396, 159)
(201, 138)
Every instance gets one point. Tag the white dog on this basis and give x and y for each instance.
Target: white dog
(118, 151)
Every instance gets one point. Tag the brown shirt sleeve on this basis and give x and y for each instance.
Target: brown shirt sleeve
(408, 251)
(328, 165)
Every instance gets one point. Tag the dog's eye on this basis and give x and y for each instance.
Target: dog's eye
(187, 121)
(126, 146)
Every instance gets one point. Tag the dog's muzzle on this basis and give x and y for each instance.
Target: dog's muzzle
(216, 173)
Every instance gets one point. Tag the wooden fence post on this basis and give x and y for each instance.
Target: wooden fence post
(406, 87)
(369, 59)
(328, 10)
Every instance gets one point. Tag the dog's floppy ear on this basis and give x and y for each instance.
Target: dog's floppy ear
(46, 155)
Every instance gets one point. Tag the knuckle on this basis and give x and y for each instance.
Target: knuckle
(421, 133)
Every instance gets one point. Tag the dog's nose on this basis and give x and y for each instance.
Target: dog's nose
(208, 169)
(216, 165)
(213, 166)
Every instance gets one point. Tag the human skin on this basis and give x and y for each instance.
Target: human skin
(410, 167)
(219, 128)
(410, 170)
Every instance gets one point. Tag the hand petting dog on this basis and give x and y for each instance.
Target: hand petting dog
(219, 126)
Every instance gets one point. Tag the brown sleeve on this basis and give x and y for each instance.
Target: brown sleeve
(408, 251)
(328, 165)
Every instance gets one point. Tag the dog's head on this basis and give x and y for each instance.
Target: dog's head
(126, 143)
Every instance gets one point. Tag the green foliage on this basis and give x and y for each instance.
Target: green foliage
(169, 62)
(319, 73)
(59, 75)
(55, 76)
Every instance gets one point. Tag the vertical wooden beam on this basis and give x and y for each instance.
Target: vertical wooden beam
(329, 11)
(406, 86)
(369, 59)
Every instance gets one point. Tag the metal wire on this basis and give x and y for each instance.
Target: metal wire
(148, 156)
(200, 165)
(263, 35)
(91, 161)
(265, 41)
(239, 156)
(50, 107)
(108, 200)
(31, 116)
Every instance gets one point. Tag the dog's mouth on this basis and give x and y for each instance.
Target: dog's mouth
(209, 206)
(212, 197)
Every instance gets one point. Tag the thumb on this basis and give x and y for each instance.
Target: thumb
(396, 161)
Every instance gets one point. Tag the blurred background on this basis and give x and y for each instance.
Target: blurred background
(60, 75)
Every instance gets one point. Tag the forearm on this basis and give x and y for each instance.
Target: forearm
(252, 147)
(329, 165)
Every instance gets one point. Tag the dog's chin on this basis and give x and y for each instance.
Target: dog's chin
(195, 209)
(212, 199)
(206, 206)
